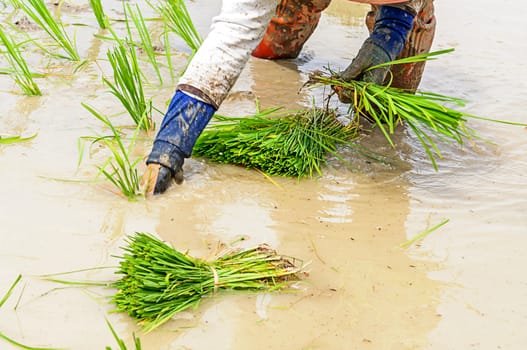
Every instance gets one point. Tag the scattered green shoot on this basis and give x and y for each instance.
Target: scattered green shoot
(144, 35)
(10, 290)
(429, 56)
(128, 85)
(120, 342)
(423, 234)
(98, 11)
(157, 281)
(40, 14)
(7, 140)
(288, 144)
(178, 19)
(123, 172)
(8, 339)
(19, 69)
(23, 346)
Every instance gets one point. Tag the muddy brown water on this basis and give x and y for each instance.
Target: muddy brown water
(463, 287)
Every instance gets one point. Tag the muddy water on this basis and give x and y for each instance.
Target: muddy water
(462, 287)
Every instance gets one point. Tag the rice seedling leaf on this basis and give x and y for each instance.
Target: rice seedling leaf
(423, 234)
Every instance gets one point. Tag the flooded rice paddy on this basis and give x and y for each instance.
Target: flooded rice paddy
(463, 287)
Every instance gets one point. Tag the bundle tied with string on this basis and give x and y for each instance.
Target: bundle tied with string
(158, 281)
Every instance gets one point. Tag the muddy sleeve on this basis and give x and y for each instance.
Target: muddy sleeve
(412, 6)
(234, 34)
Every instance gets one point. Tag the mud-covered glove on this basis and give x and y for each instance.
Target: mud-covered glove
(183, 123)
(384, 44)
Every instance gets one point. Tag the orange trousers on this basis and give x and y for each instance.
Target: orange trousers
(296, 20)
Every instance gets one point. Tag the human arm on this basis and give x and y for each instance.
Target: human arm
(214, 69)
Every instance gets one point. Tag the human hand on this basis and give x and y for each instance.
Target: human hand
(183, 123)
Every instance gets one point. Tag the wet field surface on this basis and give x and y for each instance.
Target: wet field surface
(463, 287)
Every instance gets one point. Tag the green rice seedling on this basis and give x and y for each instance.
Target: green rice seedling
(98, 11)
(157, 281)
(6, 140)
(178, 18)
(10, 290)
(123, 171)
(5, 337)
(423, 234)
(289, 144)
(120, 342)
(168, 49)
(19, 69)
(40, 14)
(144, 35)
(127, 85)
(23, 346)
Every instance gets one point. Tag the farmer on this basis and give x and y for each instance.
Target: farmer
(398, 28)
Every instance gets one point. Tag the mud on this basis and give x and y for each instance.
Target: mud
(463, 287)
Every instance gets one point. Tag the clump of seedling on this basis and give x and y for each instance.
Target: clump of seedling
(127, 85)
(40, 14)
(20, 72)
(179, 21)
(146, 43)
(119, 168)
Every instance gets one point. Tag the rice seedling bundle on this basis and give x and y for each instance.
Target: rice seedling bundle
(388, 107)
(158, 281)
(294, 144)
(427, 114)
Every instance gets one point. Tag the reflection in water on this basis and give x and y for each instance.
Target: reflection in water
(16, 120)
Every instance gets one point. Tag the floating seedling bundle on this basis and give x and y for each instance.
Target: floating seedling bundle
(158, 281)
(291, 144)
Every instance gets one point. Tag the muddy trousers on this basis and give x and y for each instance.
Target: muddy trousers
(296, 20)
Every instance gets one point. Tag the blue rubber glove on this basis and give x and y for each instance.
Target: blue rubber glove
(183, 123)
(384, 44)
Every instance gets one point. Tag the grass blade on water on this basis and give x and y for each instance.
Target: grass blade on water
(423, 234)
(6, 140)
